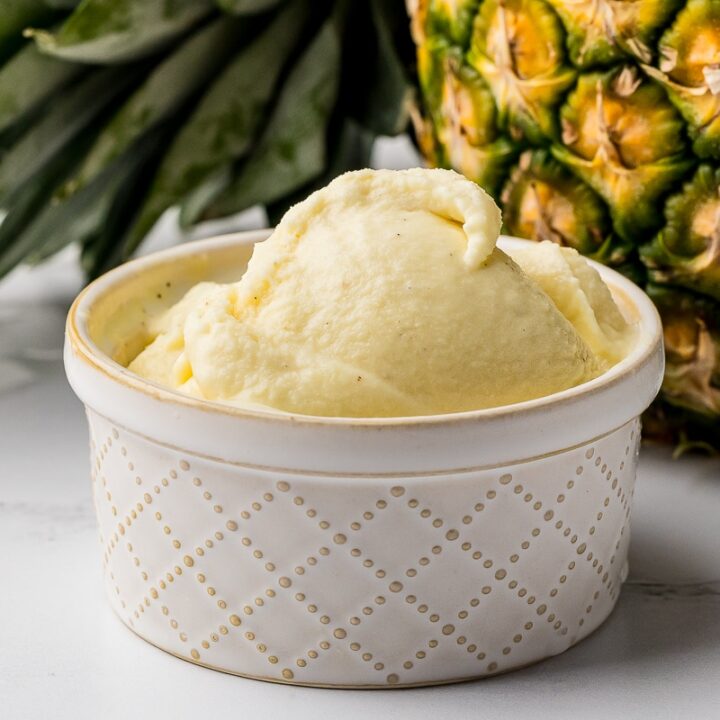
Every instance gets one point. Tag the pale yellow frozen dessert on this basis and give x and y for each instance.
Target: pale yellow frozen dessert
(383, 294)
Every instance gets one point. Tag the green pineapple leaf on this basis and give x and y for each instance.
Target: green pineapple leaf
(247, 7)
(292, 150)
(162, 94)
(381, 87)
(95, 209)
(62, 4)
(27, 82)
(30, 198)
(222, 127)
(349, 148)
(69, 116)
(119, 31)
(15, 16)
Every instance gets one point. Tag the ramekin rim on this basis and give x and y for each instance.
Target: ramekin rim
(83, 345)
(393, 475)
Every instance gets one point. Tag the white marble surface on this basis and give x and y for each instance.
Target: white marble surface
(63, 654)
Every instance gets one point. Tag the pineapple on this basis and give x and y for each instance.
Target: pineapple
(595, 124)
(690, 403)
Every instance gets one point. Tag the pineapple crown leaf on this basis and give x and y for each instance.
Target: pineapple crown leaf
(113, 88)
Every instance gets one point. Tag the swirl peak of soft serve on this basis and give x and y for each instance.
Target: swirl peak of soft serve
(442, 192)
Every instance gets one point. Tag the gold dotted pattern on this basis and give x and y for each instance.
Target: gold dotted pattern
(451, 533)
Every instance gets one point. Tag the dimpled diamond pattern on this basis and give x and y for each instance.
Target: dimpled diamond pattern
(362, 581)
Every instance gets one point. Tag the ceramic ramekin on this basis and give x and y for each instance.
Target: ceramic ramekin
(343, 552)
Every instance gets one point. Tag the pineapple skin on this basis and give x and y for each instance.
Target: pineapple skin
(596, 125)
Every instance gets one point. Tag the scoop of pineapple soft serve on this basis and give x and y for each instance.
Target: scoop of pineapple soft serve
(383, 294)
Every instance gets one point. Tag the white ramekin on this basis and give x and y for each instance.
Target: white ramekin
(345, 552)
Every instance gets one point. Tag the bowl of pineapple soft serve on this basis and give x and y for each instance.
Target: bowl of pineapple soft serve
(363, 549)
